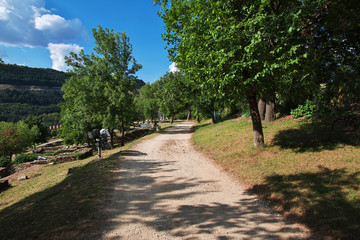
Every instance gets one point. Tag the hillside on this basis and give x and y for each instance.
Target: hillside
(26, 76)
(31, 91)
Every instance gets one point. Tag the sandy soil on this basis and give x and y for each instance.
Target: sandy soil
(166, 190)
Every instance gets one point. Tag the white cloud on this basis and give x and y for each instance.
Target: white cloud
(5, 10)
(48, 22)
(58, 53)
(29, 23)
(173, 68)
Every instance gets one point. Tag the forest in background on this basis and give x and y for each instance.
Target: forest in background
(26, 76)
(26, 91)
(30, 91)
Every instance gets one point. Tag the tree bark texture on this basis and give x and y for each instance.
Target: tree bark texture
(122, 141)
(189, 115)
(270, 111)
(212, 110)
(171, 119)
(261, 106)
(256, 120)
(112, 137)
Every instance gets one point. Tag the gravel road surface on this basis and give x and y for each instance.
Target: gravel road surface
(167, 190)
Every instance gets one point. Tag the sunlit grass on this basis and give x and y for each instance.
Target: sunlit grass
(53, 204)
(303, 172)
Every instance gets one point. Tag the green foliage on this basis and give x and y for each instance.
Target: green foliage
(25, 157)
(30, 97)
(16, 104)
(38, 130)
(14, 138)
(53, 133)
(169, 93)
(13, 112)
(5, 162)
(80, 156)
(100, 93)
(26, 76)
(306, 110)
(146, 102)
(50, 119)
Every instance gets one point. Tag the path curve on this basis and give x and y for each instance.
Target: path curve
(166, 190)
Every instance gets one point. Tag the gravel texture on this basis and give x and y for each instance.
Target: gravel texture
(167, 190)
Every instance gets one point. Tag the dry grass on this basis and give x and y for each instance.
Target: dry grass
(305, 172)
(54, 205)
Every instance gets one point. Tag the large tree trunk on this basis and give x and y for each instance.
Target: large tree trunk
(261, 106)
(112, 137)
(212, 110)
(171, 119)
(197, 116)
(256, 120)
(189, 115)
(122, 141)
(270, 111)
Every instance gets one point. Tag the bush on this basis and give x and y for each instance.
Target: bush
(53, 133)
(5, 162)
(308, 109)
(23, 158)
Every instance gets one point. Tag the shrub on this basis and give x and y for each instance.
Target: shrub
(22, 158)
(53, 133)
(308, 109)
(5, 162)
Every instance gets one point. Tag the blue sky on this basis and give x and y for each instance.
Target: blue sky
(39, 33)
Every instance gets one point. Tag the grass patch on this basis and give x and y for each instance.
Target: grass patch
(306, 172)
(52, 204)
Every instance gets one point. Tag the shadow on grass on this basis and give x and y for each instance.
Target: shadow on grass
(67, 210)
(321, 198)
(64, 211)
(316, 137)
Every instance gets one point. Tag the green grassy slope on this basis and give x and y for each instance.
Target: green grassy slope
(305, 172)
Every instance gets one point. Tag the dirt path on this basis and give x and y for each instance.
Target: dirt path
(167, 190)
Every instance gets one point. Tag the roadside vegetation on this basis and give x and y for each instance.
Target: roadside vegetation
(53, 204)
(264, 59)
(305, 171)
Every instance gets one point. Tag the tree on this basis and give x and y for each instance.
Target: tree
(333, 35)
(15, 138)
(147, 102)
(235, 47)
(170, 94)
(101, 91)
(37, 127)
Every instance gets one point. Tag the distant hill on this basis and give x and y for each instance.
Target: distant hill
(26, 76)
(28, 91)
(31, 91)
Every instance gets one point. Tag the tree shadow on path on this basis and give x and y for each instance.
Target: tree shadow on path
(142, 198)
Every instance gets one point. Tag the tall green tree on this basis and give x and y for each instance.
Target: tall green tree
(101, 91)
(147, 102)
(170, 94)
(333, 34)
(247, 48)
